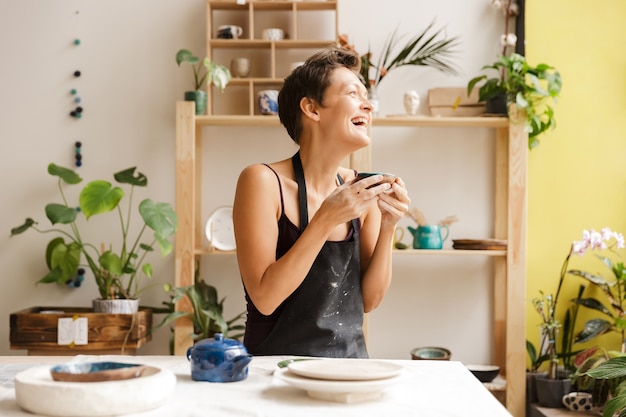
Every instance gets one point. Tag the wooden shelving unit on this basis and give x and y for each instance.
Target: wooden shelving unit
(270, 60)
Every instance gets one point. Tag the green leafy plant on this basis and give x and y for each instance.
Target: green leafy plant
(589, 360)
(206, 315)
(613, 314)
(614, 372)
(531, 88)
(116, 272)
(424, 49)
(205, 71)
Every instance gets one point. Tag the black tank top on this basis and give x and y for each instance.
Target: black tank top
(304, 323)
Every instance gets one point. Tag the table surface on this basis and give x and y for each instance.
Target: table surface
(427, 388)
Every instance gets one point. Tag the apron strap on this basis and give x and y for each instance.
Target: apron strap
(299, 173)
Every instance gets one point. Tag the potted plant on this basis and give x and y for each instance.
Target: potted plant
(550, 387)
(115, 270)
(531, 88)
(423, 49)
(205, 72)
(613, 373)
(613, 315)
(206, 312)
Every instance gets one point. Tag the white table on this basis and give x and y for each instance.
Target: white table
(429, 388)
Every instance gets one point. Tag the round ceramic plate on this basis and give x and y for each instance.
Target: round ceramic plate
(338, 391)
(37, 392)
(345, 369)
(219, 229)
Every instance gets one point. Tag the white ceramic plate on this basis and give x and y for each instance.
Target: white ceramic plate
(37, 392)
(219, 229)
(338, 391)
(345, 369)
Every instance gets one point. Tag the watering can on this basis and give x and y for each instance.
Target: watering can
(429, 236)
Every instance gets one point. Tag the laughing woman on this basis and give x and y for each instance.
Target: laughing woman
(313, 243)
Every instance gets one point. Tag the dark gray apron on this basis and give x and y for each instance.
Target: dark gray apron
(324, 315)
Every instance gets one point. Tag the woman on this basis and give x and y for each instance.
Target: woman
(314, 244)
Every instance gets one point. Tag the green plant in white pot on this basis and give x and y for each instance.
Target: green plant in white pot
(205, 72)
(117, 271)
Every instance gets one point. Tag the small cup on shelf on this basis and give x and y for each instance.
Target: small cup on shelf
(240, 67)
(268, 102)
(273, 34)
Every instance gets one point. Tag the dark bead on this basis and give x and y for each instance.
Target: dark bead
(78, 157)
(73, 113)
(79, 109)
(76, 73)
(81, 271)
(78, 144)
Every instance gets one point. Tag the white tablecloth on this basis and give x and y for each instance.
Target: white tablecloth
(428, 388)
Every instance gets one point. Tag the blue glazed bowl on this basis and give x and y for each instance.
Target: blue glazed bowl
(219, 360)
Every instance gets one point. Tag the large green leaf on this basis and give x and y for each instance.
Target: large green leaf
(66, 174)
(50, 248)
(60, 213)
(592, 329)
(185, 55)
(111, 262)
(159, 217)
(28, 223)
(128, 176)
(593, 304)
(66, 258)
(613, 368)
(99, 197)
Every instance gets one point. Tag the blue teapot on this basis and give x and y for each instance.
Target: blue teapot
(429, 236)
(219, 360)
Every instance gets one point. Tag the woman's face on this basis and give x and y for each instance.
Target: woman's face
(347, 111)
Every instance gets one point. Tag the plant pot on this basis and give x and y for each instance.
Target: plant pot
(531, 386)
(200, 98)
(117, 306)
(550, 392)
(497, 105)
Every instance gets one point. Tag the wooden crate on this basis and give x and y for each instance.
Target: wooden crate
(107, 333)
(454, 102)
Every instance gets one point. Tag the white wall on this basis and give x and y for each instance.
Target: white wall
(129, 86)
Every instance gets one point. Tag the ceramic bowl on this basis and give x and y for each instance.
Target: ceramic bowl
(431, 353)
(484, 373)
(96, 371)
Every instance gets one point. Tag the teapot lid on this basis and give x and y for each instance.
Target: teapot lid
(218, 343)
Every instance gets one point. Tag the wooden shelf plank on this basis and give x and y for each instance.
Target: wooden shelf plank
(428, 121)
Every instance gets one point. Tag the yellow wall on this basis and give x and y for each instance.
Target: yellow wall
(577, 175)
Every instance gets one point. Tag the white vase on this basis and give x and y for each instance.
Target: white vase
(372, 96)
(117, 306)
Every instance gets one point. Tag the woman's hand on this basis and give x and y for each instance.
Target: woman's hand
(394, 203)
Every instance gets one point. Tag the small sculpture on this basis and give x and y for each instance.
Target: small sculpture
(411, 102)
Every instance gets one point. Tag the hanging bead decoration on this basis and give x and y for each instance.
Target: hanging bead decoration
(78, 279)
(78, 157)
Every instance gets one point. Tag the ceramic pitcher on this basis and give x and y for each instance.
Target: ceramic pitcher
(429, 236)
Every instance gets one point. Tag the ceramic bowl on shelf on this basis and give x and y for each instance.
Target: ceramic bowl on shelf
(484, 373)
(431, 353)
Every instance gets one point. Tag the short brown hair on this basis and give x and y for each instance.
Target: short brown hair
(311, 80)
